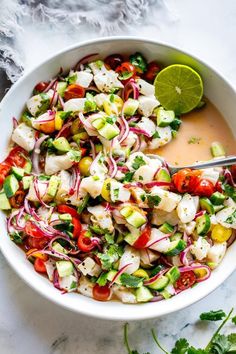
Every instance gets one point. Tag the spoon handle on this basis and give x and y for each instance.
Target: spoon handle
(225, 161)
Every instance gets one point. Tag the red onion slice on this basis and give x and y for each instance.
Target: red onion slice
(14, 122)
(140, 131)
(84, 60)
(36, 154)
(157, 184)
(130, 88)
(118, 274)
(195, 267)
(50, 85)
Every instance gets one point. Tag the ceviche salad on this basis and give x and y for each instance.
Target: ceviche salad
(92, 211)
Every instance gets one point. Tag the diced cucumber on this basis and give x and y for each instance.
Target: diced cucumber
(136, 219)
(28, 166)
(217, 198)
(58, 248)
(218, 208)
(130, 107)
(160, 283)
(203, 224)
(65, 217)
(126, 211)
(164, 118)
(131, 238)
(173, 274)
(111, 274)
(18, 172)
(83, 204)
(165, 293)
(10, 186)
(27, 180)
(109, 131)
(99, 123)
(176, 247)
(4, 202)
(162, 175)
(217, 149)
(61, 144)
(98, 148)
(143, 294)
(206, 204)
(64, 268)
(53, 186)
(176, 236)
(166, 228)
(61, 87)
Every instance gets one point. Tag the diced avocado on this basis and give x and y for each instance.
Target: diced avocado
(27, 180)
(166, 228)
(164, 118)
(28, 166)
(176, 247)
(99, 123)
(162, 175)
(136, 219)
(53, 186)
(131, 238)
(206, 204)
(64, 268)
(58, 248)
(4, 202)
(173, 274)
(18, 172)
(109, 131)
(143, 294)
(65, 217)
(61, 144)
(10, 185)
(126, 211)
(61, 87)
(217, 198)
(130, 107)
(160, 283)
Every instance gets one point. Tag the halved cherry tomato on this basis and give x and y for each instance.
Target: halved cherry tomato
(39, 266)
(17, 200)
(126, 70)
(152, 69)
(47, 127)
(74, 91)
(41, 86)
(218, 186)
(4, 170)
(233, 171)
(66, 209)
(185, 180)
(38, 243)
(32, 230)
(204, 188)
(186, 280)
(143, 238)
(83, 151)
(113, 61)
(84, 243)
(17, 157)
(34, 252)
(77, 227)
(101, 293)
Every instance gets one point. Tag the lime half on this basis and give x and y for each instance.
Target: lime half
(178, 88)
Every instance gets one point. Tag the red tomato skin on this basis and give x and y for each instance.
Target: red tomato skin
(143, 238)
(77, 227)
(186, 280)
(4, 170)
(84, 243)
(17, 157)
(126, 67)
(32, 230)
(38, 243)
(113, 61)
(74, 91)
(101, 293)
(233, 171)
(39, 266)
(66, 209)
(152, 69)
(185, 180)
(204, 188)
(41, 86)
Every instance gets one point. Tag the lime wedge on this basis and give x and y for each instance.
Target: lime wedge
(178, 88)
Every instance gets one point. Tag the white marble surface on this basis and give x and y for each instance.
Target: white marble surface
(31, 324)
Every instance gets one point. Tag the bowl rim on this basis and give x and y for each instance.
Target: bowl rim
(107, 315)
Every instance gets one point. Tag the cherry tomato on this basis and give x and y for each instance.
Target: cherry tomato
(152, 69)
(41, 86)
(17, 200)
(218, 186)
(36, 254)
(4, 170)
(101, 293)
(186, 280)
(47, 127)
(17, 157)
(32, 230)
(125, 71)
(66, 209)
(77, 227)
(39, 266)
(185, 180)
(113, 61)
(83, 151)
(74, 91)
(204, 188)
(143, 238)
(84, 243)
(233, 171)
(38, 243)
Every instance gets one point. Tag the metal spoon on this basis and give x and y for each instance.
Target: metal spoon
(219, 162)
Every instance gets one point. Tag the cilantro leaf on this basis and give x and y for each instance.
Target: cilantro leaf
(109, 238)
(234, 320)
(130, 280)
(138, 61)
(156, 135)
(110, 256)
(220, 345)
(181, 346)
(74, 155)
(138, 162)
(212, 315)
(229, 191)
(153, 200)
(72, 79)
(102, 280)
(175, 124)
(128, 177)
(231, 219)
(232, 341)
(193, 350)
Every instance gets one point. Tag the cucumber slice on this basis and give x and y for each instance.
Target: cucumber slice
(99, 123)
(65, 217)
(58, 248)
(64, 268)
(28, 167)
(217, 149)
(10, 185)
(27, 180)
(206, 204)
(131, 238)
(18, 172)
(53, 186)
(165, 293)
(173, 274)
(131, 107)
(160, 283)
(166, 228)
(176, 247)
(4, 202)
(109, 131)
(218, 208)
(203, 224)
(163, 175)
(61, 87)
(143, 294)
(61, 144)
(126, 211)
(136, 219)
(217, 198)
(176, 236)
(164, 118)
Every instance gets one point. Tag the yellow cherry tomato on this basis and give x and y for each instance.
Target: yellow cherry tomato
(106, 190)
(75, 127)
(220, 233)
(58, 121)
(200, 273)
(141, 273)
(33, 253)
(84, 165)
(113, 105)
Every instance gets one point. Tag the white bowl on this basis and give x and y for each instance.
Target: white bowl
(215, 88)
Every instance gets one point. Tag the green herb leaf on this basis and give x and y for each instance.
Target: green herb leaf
(153, 200)
(138, 162)
(110, 239)
(175, 125)
(229, 191)
(90, 106)
(156, 135)
(16, 237)
(232, 218)
(193, 350)
(181, 346)
(74, 155)
(220, 344)
(128, 177)
(213, 315)
(72, 79)
(110, 256)
(138, 61)
(102, 280)
(130, 280)
(234, 320)
(65, 115)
